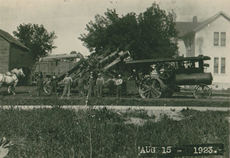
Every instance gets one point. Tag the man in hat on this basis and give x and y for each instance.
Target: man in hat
(91, 85)
(81, 86)
(111, 85)
(67, 82)
(53, 83)
(119, 82)
(39, 85)
(99, 83)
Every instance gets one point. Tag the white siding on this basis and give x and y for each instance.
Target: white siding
(204, 45)
(181, 48)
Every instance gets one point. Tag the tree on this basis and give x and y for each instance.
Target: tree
(36, 38)
(97, 38)
(157, 33)
(148, 35)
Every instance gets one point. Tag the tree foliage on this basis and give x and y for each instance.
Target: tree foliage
(36, 38)
(150, 34)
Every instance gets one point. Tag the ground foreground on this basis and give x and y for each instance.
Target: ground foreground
(26, 95)
(105, 133)
(112, 101)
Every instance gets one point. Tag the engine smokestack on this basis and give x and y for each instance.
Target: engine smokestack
(194, 19)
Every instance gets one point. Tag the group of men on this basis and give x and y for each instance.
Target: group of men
(113, 83)
(93, 87)
(53, 84)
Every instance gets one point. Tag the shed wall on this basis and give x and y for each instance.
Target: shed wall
(20, 57)
(4, 55)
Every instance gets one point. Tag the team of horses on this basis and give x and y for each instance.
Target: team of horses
(10, 79)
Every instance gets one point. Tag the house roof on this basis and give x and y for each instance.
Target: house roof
(186, 28)
(11, 39)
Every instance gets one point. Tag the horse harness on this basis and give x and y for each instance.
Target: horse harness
(10, 74)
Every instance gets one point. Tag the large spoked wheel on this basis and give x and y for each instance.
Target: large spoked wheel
(202, 91)
(47, 87)
(165, 70)
(150, 88)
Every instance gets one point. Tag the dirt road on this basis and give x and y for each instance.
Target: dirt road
(169, 106)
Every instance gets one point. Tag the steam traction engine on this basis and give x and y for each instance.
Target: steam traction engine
(160, 77)
(172, 73)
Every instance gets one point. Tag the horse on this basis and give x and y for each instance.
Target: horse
(11, 79)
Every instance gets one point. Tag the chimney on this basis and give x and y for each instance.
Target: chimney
(194, 19)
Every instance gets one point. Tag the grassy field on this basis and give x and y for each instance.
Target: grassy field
(103, 133)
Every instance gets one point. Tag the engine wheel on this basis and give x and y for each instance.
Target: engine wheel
(202, 91)
(150, 88)
(165, 70)
(47, 87)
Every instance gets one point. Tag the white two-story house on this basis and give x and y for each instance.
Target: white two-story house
(209, 38)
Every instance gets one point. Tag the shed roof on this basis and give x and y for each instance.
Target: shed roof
(186, 28)
(60, 56)
(11, 39)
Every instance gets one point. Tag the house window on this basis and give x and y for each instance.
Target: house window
(222, 70)
(223, 39)
(216, 38)
(220, 39)
(216, 63)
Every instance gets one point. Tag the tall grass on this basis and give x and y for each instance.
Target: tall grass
(104, 133)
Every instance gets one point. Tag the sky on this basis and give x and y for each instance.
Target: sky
(68, 18)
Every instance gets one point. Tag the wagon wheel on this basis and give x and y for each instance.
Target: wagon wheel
(150, 88)
(47, 87)
(165, 70)
(202, 91)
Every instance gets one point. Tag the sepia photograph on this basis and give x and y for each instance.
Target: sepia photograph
(114, 79)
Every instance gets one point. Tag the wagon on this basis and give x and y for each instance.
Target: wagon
(163, 77)
(58, 64)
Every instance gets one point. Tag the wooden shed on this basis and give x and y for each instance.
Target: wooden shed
(14, 54)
